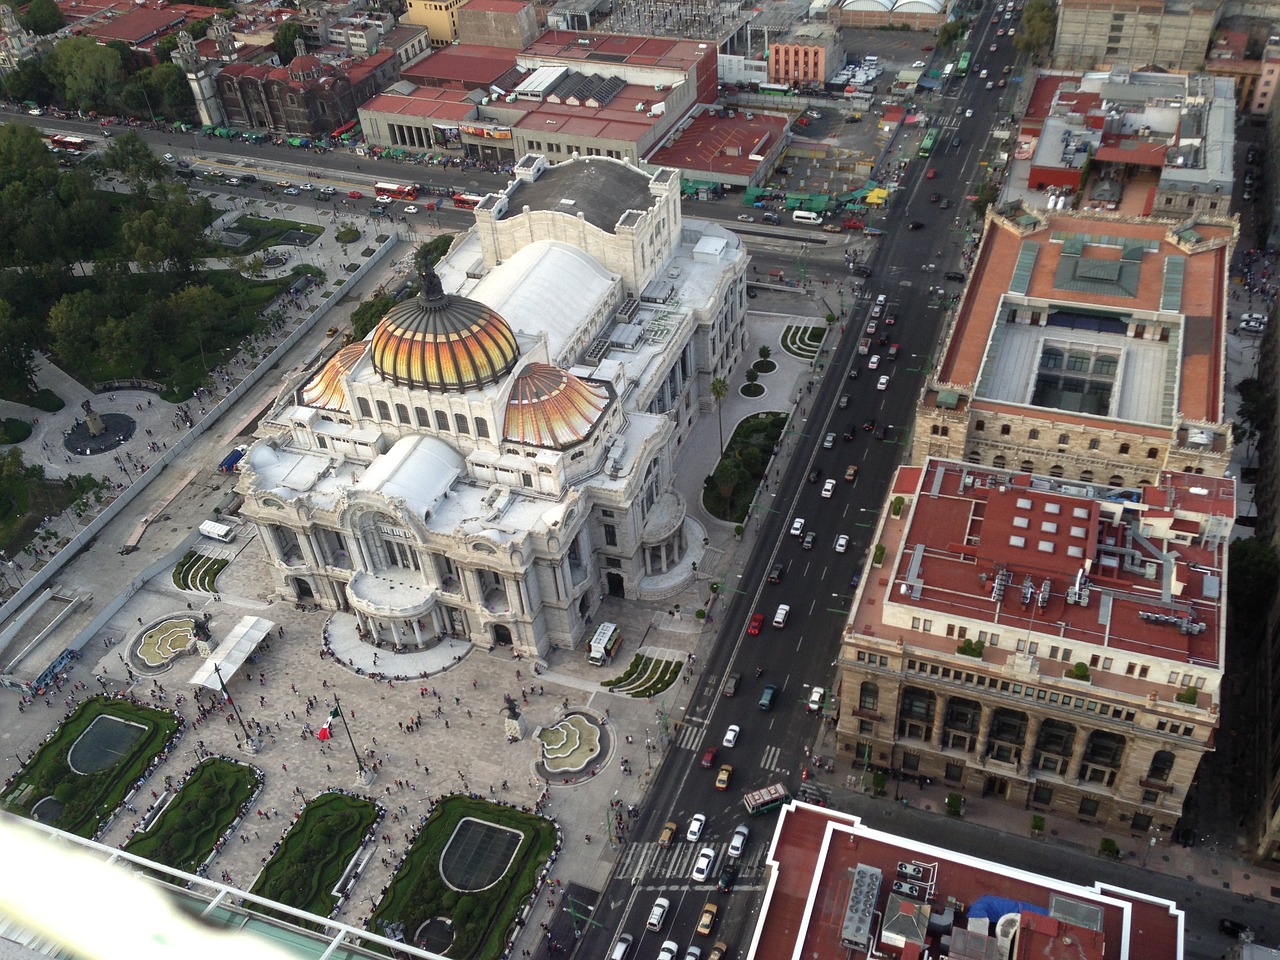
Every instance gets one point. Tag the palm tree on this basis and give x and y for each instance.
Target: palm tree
(720, 390)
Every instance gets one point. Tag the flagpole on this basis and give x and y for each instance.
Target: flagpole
(363, 776)
(253, 745)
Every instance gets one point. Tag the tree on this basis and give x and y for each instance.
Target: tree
(951, 32)
(30, 81)
(131, 157)
(1255, 571)
(367, 316)
(987, 194)
(720, 390)
(1039, 27)
(1256, 414)
(73, 324)
(42, 17)
(286, 37)
(17, 354)
(90, 75)
(752, 375)
(764, 353)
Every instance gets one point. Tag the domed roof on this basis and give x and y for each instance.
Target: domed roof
(324, 390)
(439, 342)
(550, 407)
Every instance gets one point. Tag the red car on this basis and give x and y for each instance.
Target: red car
(355, 194)
(853, 223)
(930, 173)
(757, 621)
(802, 121)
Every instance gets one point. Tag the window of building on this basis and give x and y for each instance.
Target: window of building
(1141, 821)
(442, 421)
(482, 428)
(384, 412)
(402, 414)
(1033, 434)
(461, 425)
(363, 404)
(423, 418)
(869, 696)
(1153, 452)
(1124, 449)
(1005, 429)
(979, 426)
(1088, 807)
(1063, 439)
(610, 535)
(1042, 796)
(954, 772)
(613, 563)
(1094, 443)
(911, 761)
(927, 626)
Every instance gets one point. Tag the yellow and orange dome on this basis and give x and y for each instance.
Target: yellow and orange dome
(442, 343)
(324, 390)
(550, 407)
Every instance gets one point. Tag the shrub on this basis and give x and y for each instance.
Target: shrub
(1079, 672)
(1037, 823)
(1109, 848)
(13, 430)
(877, 555)
(897, 505)
(955, 804)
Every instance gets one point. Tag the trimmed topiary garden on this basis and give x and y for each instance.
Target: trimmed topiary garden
(207, 804)
(481, 920)
(109, 761)
(195, 571)
(645, 676)
(315, 853)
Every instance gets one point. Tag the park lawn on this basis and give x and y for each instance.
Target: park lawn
(24, 504)
(266, 231)
(727, 493)
(208, 803)
(314, 854)
(482, 920)
(88, 799)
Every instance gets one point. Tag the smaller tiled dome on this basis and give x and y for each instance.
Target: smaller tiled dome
(550, 407)
(324, 390)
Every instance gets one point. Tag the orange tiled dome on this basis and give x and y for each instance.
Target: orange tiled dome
(550, 407)
(443, 343)
(324, 390)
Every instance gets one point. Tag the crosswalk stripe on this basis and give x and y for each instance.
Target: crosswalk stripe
(769, 759)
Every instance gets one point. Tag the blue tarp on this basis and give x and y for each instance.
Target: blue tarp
(993, 908)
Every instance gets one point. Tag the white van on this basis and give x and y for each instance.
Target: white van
(603, 644)
(217, 531)
(805, 216)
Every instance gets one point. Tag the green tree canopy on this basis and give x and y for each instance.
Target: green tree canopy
(131, 157)
(42, 17)
(366, 316)
(90, 75)
(1255, 572)
(1039, 27)
(30, 81)
(286, 37)
(17, 357)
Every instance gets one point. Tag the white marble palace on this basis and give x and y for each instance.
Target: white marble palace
(497, 455)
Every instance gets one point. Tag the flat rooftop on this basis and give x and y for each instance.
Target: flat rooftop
(639, 51)
(815, 851)
(1093, 279)
(1128, 571)
(601, 190)
(715, 144)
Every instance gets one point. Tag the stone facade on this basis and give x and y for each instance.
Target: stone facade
(1169, 34)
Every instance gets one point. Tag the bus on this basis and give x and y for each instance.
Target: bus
(69, 143)
(766, 798)
(947, 71)
(962, 68)
(928, 143)
(397, 191)
(466, 201)
(775, 89)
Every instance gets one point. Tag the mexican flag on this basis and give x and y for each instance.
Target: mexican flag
(335, 713)
(323, 733)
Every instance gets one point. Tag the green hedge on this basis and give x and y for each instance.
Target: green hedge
(13, 430)
(313, 855)
(482, 921)
(88, 798)
(208, 803)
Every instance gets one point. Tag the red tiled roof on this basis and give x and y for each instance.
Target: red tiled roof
(814, 849)
(469, 64)
(722, 145)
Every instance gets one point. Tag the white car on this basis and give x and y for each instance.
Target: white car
(658, 914)
(797, 526)
(746, 218)
(814, 114)
(703, 865)
(968, 113)
(739, 842)
(917, 65)
(306, 186)
(828, 441)
(169, 158)
(384, 198)
(829, 489)
(842, 543)
(816, 696)
(292, 191)
(882, 383)
(668, 950)
(874, 362)
(696, 823)
(731, 736)
(882, 299)
(411, 209)
(233, 182)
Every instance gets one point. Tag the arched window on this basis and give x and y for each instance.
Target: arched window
(402, 413)
(1086, 476)
(363, 404)
(1056, 470)
(869, 696)
(384, 412)
(1124, 449)
(933, 430)
(482, 428)
(460, 423)
(442, 421)
(979, 426)
(945, 431)
(1033, 434)
(1028, 466)
(973, 456)
(1095, 443)
(1153, 452)
(1116, 480)
(424, 419)
(998, 462)
(1051, 359)
(1161, 766)
(1005, 429)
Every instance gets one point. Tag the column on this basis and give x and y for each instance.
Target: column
(939, 721)
(418, 638)
(984, 735)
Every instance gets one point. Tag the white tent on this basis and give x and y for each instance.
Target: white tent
(232, 652)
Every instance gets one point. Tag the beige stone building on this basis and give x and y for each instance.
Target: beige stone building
(440, 17)
(1088, 347)
(1051, 643)
(1169, 34)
